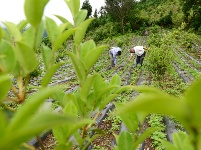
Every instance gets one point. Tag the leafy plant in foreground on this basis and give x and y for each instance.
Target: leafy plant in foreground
(185, 109)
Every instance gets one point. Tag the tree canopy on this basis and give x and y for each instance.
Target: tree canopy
(119, 10)
(86, 5)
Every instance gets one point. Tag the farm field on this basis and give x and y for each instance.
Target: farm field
(58, 90)
(184, 69)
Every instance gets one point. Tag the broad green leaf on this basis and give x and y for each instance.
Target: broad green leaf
(107, 100)
(74, 6)
(47, 57)
(34, 11)
(13, 30)
(168, 145)
(3, 123)
(33, 36)
(86, 47)
(5, 85)
(116, 80)
(52, 29)
(80, 17)
(63, 27)
(81, 105)
(60, 133)
(64, 20)
(62, 38)
(47, 78)
(5, 35)
(26, 57)
(104, 93)
(130, 119)
(65, 131)
(22, 24)
(70, 108)
(125, 141)
(193, 100)
(35, 126)
(7, 56)
(86, 87)
(182, 141)
(92, 57)
(78, 66)
(81, 31)
(99, 84)
(154, 101)
(30, 106)
(144, 135)
(64, 146)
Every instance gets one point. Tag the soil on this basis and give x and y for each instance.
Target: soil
(105, 141)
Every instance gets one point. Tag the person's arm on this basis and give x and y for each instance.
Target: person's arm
(145, 48)
(131, 56)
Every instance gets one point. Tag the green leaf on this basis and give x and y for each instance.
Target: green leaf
(62, 38)
(78, 66)
(86, 87)
(125, 141)
(64, 20)
(154, 101)
(47, 57)
(80, 17)
(34, 11)
(168, 145)
(81, 31)
(52, 29)
(30, 106)
(64, 146)
(7, 56)
(99, 84)
(26, 57)
(13, 30)
(130, 119)
(104, 93)
(70, 107)
(116, 80)
(5, 85)
(46, 79)
(193, 100)
(32, 36)
(35, 126)
(182, 141)
(74, 6)
(86, 47)
(65, 131)
(3, 123)
(22, 25)
(144, 135)
(107, 100)
(92, 57)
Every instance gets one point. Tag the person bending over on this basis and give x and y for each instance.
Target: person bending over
(140, 52)
(113, 52)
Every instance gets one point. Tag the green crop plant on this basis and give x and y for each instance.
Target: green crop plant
(185, 109)
(18, 59)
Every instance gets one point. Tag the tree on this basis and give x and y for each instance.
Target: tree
(86, 5)
(119, 10)
(95, 13)
(192, 12)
